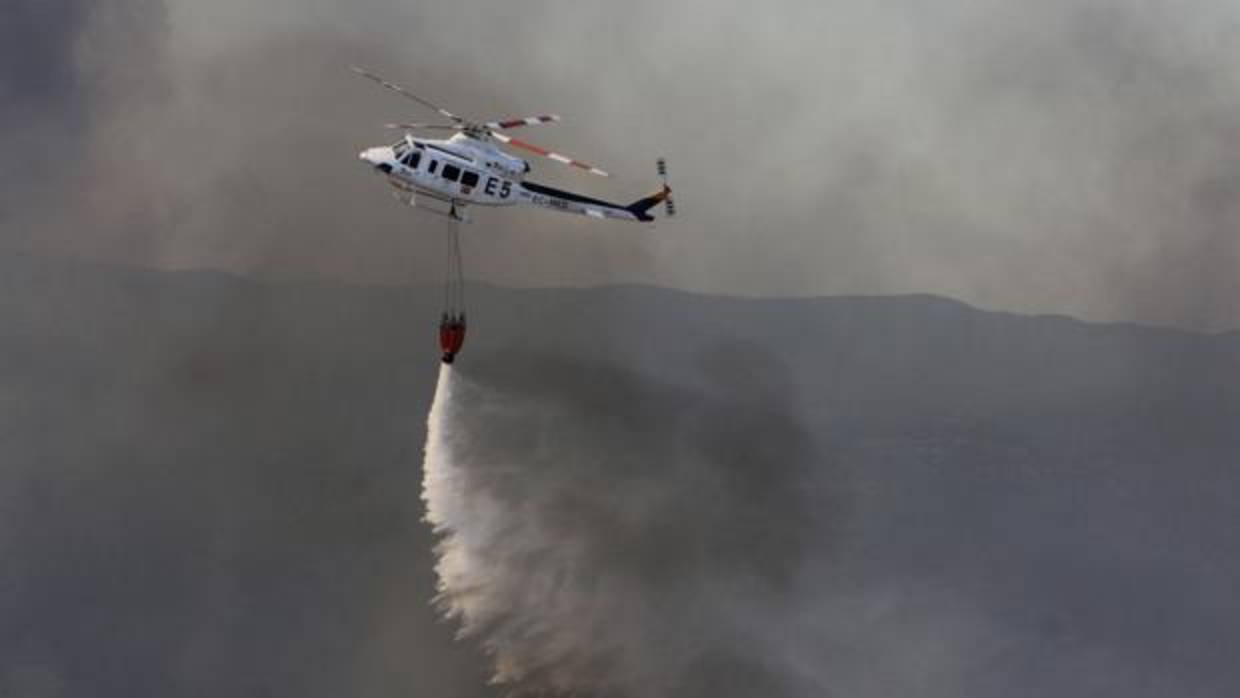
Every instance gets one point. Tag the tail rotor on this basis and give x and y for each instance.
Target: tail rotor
(669, 204)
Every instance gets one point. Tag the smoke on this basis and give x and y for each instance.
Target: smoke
(965, 530)
(208, 489)
(634, 539)
(1054, 157)
(72, 74)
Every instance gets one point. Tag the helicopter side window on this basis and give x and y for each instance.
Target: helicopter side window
(469, 179)
(411, 160)
(451, 172)
(433, 166)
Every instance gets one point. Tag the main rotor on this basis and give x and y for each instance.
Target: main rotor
(478, 130)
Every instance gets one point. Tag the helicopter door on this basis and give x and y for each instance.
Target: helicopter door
(411, 161)
(469, 180)
(450, 172)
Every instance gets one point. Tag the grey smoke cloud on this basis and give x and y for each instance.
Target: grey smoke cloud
(38, 83)
(37, 47)
(1059, 157)
(70, 72)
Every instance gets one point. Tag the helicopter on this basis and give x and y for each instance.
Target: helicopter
(468, 168)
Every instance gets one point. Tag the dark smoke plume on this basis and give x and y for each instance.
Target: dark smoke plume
(72, 74)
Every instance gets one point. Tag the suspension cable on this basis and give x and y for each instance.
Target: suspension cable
(448, 268)
(460, 268)
(454, 273)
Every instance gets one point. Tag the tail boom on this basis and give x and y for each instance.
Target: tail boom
(570, 202)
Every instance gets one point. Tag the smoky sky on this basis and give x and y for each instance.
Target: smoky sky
(38, 82)
(69, 71)
(35, 59)
(1068, 157)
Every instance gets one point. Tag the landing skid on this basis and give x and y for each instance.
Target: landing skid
(447, 209)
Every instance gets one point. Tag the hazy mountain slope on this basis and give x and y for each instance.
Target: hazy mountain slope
(209, 485)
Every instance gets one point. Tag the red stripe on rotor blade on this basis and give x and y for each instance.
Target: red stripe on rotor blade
(536, 149)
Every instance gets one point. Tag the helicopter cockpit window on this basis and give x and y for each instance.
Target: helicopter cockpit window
(411, 160)
(399, 149)
(451, 172)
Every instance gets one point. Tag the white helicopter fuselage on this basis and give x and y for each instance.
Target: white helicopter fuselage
(463, 170)
(452, 170)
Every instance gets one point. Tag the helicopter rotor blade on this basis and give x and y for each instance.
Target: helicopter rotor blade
(524, 121)
(509, 140)
(405, 93)
(410, 127)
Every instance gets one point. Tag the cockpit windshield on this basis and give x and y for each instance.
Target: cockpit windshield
(399, 149)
